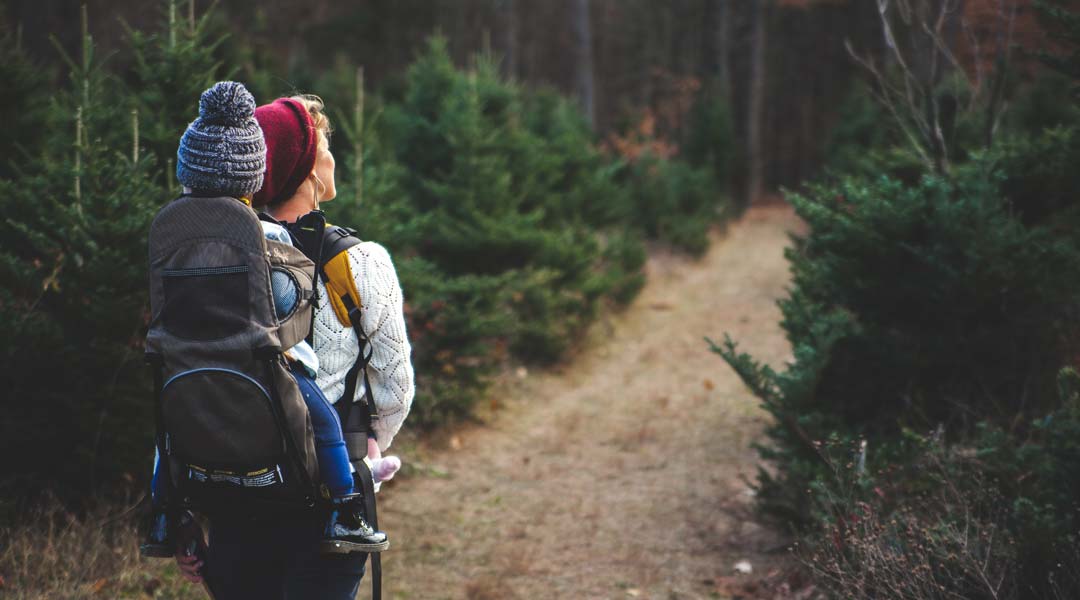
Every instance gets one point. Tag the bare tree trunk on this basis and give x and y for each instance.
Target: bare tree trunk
(676, 29)
(509, 34)
(710, 38)
(723, 43)
(755, 104)
(584, 68)
(715, 53)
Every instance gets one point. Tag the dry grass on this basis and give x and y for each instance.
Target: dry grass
(489, 588)
(55, 555)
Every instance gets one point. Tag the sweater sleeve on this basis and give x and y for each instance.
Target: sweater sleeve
(390, 370)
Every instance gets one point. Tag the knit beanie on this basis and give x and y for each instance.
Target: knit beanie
(291, 145)
(223, 151)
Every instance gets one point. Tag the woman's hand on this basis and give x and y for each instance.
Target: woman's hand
(190, 565)
(190, 548)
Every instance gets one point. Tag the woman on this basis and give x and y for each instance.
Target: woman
(299, 176)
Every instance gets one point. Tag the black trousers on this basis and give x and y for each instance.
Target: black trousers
(278, 559)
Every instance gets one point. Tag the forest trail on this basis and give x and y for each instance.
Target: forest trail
(621, 474)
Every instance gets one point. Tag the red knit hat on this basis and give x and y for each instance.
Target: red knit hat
(291, 145)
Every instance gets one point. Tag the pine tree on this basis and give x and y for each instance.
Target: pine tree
(911, 307)
(171, 69)
(1064, 27)
(23, 97)
(478, 184)
(72, 249)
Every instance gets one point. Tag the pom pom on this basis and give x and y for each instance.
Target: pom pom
(227, 103)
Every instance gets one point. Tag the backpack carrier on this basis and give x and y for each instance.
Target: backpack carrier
(233, 431)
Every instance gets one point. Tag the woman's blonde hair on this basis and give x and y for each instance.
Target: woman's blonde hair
(317, 110)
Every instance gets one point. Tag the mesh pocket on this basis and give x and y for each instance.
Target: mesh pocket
(286, 292)
(206, 303)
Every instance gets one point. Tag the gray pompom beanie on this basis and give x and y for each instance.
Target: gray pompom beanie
(223, 150)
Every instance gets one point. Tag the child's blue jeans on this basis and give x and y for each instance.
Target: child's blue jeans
(334, 468)
(330, 449)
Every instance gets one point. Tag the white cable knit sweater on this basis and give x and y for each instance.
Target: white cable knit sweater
(390, 370)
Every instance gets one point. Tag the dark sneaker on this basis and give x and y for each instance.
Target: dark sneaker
(348, 531)
(159, 541)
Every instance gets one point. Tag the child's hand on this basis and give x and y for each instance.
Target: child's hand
(384, 469)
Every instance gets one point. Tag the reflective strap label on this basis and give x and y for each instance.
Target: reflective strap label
(260, 478)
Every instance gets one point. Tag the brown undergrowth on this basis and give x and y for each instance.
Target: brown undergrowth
(52, 554)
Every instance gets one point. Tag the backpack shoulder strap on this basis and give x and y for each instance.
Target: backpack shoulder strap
(337, 275)
(345, 299)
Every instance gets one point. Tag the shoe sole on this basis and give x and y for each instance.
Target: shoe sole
(340, 547)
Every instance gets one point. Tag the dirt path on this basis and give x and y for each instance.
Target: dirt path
(619, 475)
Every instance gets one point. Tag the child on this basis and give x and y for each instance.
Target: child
(222, 153)
(347, 528)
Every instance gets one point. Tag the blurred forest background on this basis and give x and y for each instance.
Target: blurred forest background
(479, 121)
(519, 158)
(622, 58)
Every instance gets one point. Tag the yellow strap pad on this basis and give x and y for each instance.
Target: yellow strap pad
(339, 283)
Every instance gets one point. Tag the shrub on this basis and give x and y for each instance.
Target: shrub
(673, 202)
(708, 142)
(863, 143)
(1041, 176)
(912, 307)
(995, 516)
(926, 530)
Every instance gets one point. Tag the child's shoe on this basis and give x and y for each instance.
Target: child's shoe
(348, 531)
(160, 541)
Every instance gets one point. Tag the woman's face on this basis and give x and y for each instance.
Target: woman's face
(324, 170)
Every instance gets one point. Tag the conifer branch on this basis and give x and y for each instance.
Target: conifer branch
(86, 53)
(134, 136)
(78, 158)
(358, 135)
(172, 24)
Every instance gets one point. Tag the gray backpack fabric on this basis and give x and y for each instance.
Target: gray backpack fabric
(232, 425)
